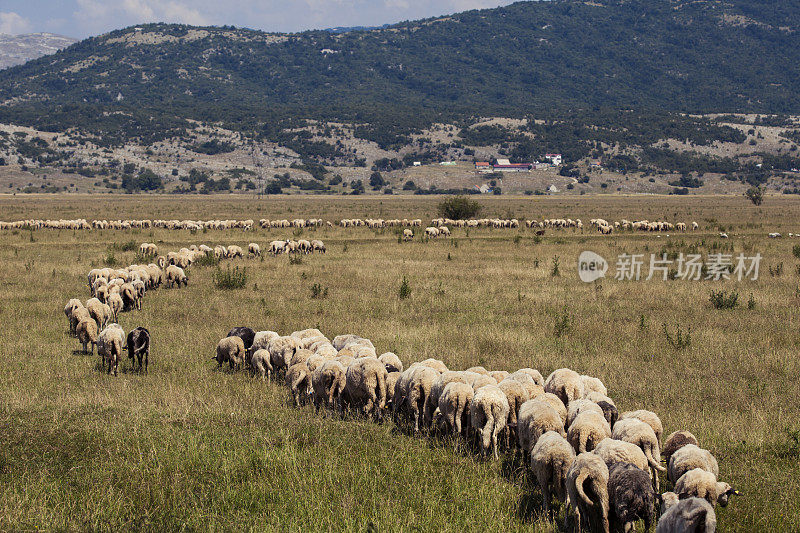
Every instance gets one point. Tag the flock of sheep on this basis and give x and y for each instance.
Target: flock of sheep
(116, 290)
(437, 224)
(603, 465)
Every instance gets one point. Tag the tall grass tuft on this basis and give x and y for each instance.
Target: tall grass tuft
(230, 278)
(405, 289)
(724, 299)
(207, 260)
(681, 340)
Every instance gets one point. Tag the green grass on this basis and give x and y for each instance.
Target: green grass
(190, 447)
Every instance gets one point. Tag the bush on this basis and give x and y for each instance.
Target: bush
(724, 300)
(405, 289)
(207, 260)
(230, 278)
(318, 292)
(563, 323)
(681, 340)
(459, 208)
(755, 194)
(129, 246)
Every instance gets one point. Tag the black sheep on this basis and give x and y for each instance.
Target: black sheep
(138, 345)
(631, 495)
(246, 334)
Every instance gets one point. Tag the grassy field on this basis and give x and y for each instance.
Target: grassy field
(188, 447)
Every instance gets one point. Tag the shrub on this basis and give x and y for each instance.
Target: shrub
(295, 260)
(207, 260)
(129, 246)
(555, 272)
(459, 208)
(724, 300)
(563, 323)
(230, 278)
(318, 292)
(681, 340)
(796, 250)
(405, 289)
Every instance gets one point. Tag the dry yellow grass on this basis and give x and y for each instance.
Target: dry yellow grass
(191, 447)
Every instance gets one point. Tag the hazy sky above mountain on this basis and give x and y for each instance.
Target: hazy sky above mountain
(82, 18)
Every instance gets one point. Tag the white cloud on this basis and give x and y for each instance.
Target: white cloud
(177, 12)
(13, 24)
(120, 13)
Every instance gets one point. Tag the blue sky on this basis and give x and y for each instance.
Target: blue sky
(82, 18)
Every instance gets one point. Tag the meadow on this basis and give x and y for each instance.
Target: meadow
(190, 447)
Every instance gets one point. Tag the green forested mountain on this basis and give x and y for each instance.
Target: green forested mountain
(529, 57)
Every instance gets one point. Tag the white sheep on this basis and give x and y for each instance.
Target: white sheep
(87, 333)
(281, 350)
(261, 340)
(689, 457)
(566, 384)
(261, 363)
(109, 346)
(699, 483)
(116, 304)
(556, 403)
(587, 430)
(591, 384)
(577, 407)
(69, 309)
(642, 435)
(298, 379)
(230, 350)
(617, 451)
(454, 404)
(176, 275)
(366, 386)
(535, 418)
(329, 381)
(437, 388)
(551, 459)
(254, 250)
(649, 418)
(488, 415)
(391, 361)
(589, 510)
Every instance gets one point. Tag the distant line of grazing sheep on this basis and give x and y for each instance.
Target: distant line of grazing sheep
(601, 465)
(438, 224)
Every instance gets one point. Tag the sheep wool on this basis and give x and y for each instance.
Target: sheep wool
(588, 470)
(688, 516)
(488, 415)
(551, 459)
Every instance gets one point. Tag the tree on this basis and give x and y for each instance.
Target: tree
(459, 208)
(755, 194)
(273, 188)
(376, 181)
(409, 186)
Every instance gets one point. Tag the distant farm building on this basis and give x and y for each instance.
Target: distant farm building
(512, 167)
(555, 159)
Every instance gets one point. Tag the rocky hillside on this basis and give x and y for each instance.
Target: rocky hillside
(18, 49)
(528, 57)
